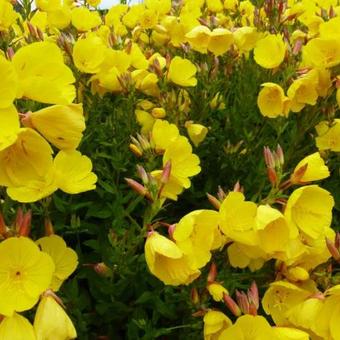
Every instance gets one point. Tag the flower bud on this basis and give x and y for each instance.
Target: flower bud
(232, 305)
(212, 273)
(214, 201)
(195, 298)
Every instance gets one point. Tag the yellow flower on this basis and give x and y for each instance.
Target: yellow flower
(52, 322)
(280, 298)
(184, 163)
(313, 169)
(163, 134)
(238, 218)
(270, 51)
(16, 327)
(196, 132)
(59, 18)
(7, 15)
(182, 72)
(215, 323)
(216, 290)
(171, 189)
(246, 38)
(303, 91)
(272, 101)
(9, 82)
(29, 158)
(306, 314)
(74, 172)
(146, 120)
(89, 53)
(84, 20)
(146, 82)
(65, 259)
(309, 208)
(9, 119)
(287, 333)
(61, 125)
(273, 230)
(220, 41)
(25, 272)
(249, 327)
(194, 235)
(321, 52)
(199, 38)
(167, 262)
(328, 136)
(161, 6)
(42, 74)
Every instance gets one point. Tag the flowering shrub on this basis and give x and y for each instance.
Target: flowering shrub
(170, 169)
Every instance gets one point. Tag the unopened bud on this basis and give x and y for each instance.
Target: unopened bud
(135, 150)
(158, 112)
(195, 299)
(237, 187)
(242, 301)
(253, 295)
(268, 157)
(10, 53)
(337, 240)
(25, 226)
(166, 172)
(40, 34)
(271, 173)
(232, 305)
(214, 201)
(333, 250)
(49, 230)
(298, 46)
(221, 195)
(32, 30)
(279, 154)
(171, 230)
(102, 269)
(137, 187)
(142, 174)
(212, 273)
(3, 228)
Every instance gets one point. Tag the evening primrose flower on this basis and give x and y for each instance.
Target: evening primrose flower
(74, 172)
(182, 72)
(288, 333)
(25, 272)
(238, 218)
(272, 101)
(42, 74)
(89, 53)
(61, 125)
(313, 169)
(167, 261)
(194, 234)
(246, 38)
(52, 322)
(29, 158)
(220, 41)
(196, 132)
(309, 208)
(321, 52)
(281, 297)
(215, 323)
(65, 259)
(303, 90)
(9, 118)
(199, 38)
(7, 15)
(270, 51)
(84, 20)
(16, 327)
(163, 134)
(184, 163)
(248, 327)
(328, 135)
(9, 81)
